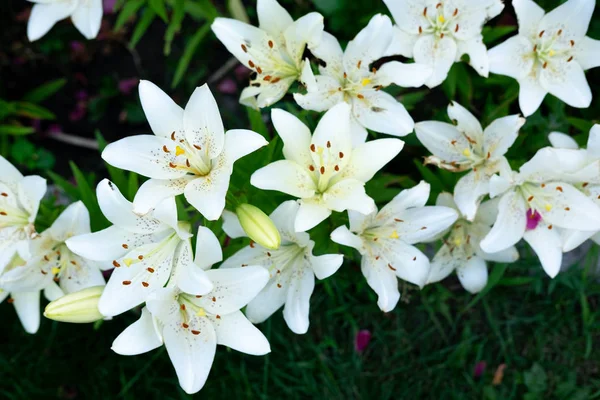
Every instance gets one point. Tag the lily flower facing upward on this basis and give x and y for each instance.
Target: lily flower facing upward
(85, 14)
(273, 50)
(142, 249)
(190, 152)
(292, 268)
(439, 33)
(460, 251)
(465, 146)
(549, 54)
(348, 76)
(324, 171)
(386, 240)
(537, 200)
(191, 325)
(19, 202)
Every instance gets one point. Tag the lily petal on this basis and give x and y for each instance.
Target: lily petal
(27, 305)
(139, 337)
(236, 332)
(202, 122)
(547, 245)
(473, 276)
(510, 225)
(439, 54)
(162, 113)
(284, 176)
(87, 18)
(297, 304)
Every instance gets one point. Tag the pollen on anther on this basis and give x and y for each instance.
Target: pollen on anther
(182, 307)
(172, 165)
(126, 283)
(420, 29)
(252, 244)
(559, 188)
(267, 78)
(360, 96)
(545, 65)
(543, 185)
(4, 194)
(425, 12)
(455, 12)
(535, 48)
(194, 332)
(185, 326)
(276, 79)
(150, 269)
(585, 184)
(567, 208)
(572, 43)
(398, 220)
(125, 246)
(336, 168)
(259, 70)
(322, 170)
(441, 36)
(328, 144)
(270, 43)
(530, 198)
(145, 284)
(165, 149)
(415, 258)
(390, 267)
(244, 48)
(423, 228)
(359, 63)
(279, 285)
(173, 135)
(541, 33)
(251, 64)
(214, 299)
(140, 257)
(341, 155)
(456, 29)
(73, 262)
(268, 254)
(313, 148)
(3, 213)
(549, 226)
(570, 59)
(311, 168)
(116, 264)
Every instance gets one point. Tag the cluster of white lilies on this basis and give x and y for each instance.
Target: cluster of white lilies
(552, 202)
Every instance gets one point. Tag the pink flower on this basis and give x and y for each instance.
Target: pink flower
(533, 219)
(126, 86)
(109, 6)
(361, 341)
(479, 369)
(227, 86)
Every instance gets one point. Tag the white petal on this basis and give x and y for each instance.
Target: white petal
(381, 112)
(466, 122)
(82, 275)
(295, 135)
(284, 217)
(404, 75)
(284, 176)
(232, 226)
(207, 193)
(370, 44)
(383, 281)
(422, 224)
(87, 18)
(367, 159)
(409, 263)
(139, 337)
(587, 53)
(402, 43)
(566, 80)
(162, 113)
(334, 127)
(437, 53)
(44, 16)
(27, 305)
(510, 225)
(326, 95)
(326, 265)
(74, 220)
(443, 263)
(348, 194)
(54, 292)
(246, 256)
(358, 132)
(562, 141)
(8, 172)
(469, 191)
(241, 142)
(297, 304)
(504, 256)
(272, 17)
(547, 245)
(473, 275)
(478, 55)
(501, 134)
(593, 143)
(408, 15)
(233, 288)
(310, 215)
(570, 208)
(31, 190)
(447, 200)
(107, 244)
(330, 51)
(571, 239)
(443, 140)
(145, 155)
(208, 249)
(513, 57)
(529, 15)
(236, 332)
(572, 16)
(189, 276)
(202, 122)
(267, 94)
(153, 191)
(269, 300)
(305, 31)
(344, 237)
(531, 94)
(191, 355)
(414, 197)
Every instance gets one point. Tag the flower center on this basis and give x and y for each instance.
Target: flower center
(549, 47)
(190, 313)
(191, 158)
(271, 62)
(533, 219)
(326, 164)
(10, 212)
(440, 22)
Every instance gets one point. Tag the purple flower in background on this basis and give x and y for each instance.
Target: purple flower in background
(109, 6)
(241, 73)
(362, 339)
(126, 86)
(533, 219)
(81, 95)
(227, 86)
(77, 46)
(479, 369)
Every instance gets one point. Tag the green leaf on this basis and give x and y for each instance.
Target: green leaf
(6, 109)
(68, 187)
(132, 185)
(492, 34)
(583, 125)
(158, 6)
(174, 25)
(44, 91)
(493, 280)
(128, 11)
(536, 379)
(31, 110)
(256, 122)
(88, 197)
(16, 130)
(201, 9)
(188, 53)
(142, 26)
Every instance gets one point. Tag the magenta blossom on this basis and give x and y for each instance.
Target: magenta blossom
(362, 339)
(479, 369)
(127, 85)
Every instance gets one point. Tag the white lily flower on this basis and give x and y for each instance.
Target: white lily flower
(573, 238)
(386, 240)
(438, 33)
(347, 76)
(189, 153)
(143, 249)
(465, 146)
(292, 268)
(539, 199)
(19, 202)
(324, 171)
(273, 50)
(27, 300)
(191, 326)
(549, 54)
(85, 14)
(460, 251)
(52, 259)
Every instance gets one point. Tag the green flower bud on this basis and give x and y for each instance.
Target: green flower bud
(79, 307)
(258, 226)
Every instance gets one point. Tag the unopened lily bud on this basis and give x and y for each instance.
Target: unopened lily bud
(79, 307)
(258, 226)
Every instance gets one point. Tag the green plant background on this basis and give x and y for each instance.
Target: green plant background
(546, 332)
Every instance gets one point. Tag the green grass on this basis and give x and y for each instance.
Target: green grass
(544, 330)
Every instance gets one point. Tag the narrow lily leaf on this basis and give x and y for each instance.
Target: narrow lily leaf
(44, 91)
(31, 110)
(158, 6)
(175, 24)
(142, 26)
(68, 187)
(16, 130)
(188, 53)
(88, 197)
(238, 11)
(128, 11)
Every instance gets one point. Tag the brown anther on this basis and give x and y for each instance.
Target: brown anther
(390, 267)
(375, 239)
(359, 63)
(530, 198)
(4, 194)
(336, 168)
(268, 254)
(116, 264)
(218, 316)
(172, 165)
(251, 64)
(276, 79)
(214, 299)
(570, 59)
(559, 32)
(182, 307)
(259, 70)
(125, 246)
(420, 29)
(145, 284)
(360, 96)
(328, 144)
(198, 296)
(322, 170)
(10, 300)
(535, 48)
(423, 228)
(543, 185)
(55, 279)
(267, 78)
(46, 258)
(377, 257)
(313, 148)
(468, 239)
(345, 75)
(244, 48)
(545, 65)
(278, 271)
(489, 155)
(43, 272)
(126, 283)
(398, 220)
(270, 43)
(572, 43)
(3, 213)
(549, 226)
(374, 70)
(456, 29)
(541, 33)
(438, 5)
(585, 184)
(311, 168)
(73, 262)
(441, 36)
(339, 89)
(415, 258)
(455, 12)
(279, 285)
(185, 326)
(165, 149)
(425, 12)
(150, 269)
(559, 188)
(173, 135)
(567, 208)
(195, 332)
(453, 142)
(341, 155)
(252, 244)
